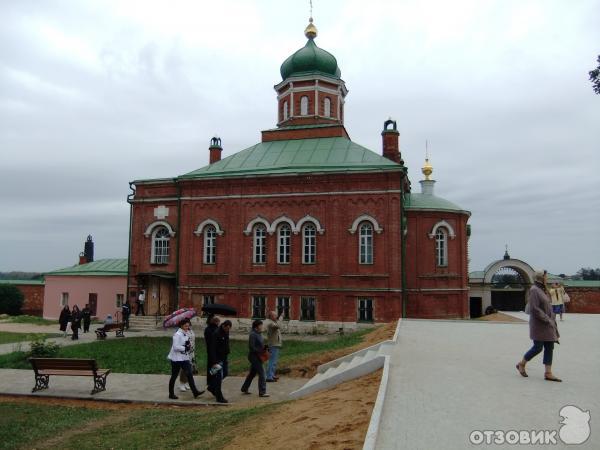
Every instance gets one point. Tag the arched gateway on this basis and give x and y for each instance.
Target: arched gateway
(503, 284)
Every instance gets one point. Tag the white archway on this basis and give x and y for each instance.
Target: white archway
(159, 223)
(365, 218)
(214, 223)
(309, 219)
(524, 269)
(442, 224)
(254, 222)
(282, 219)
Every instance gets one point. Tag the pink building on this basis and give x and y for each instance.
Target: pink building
(102, 284)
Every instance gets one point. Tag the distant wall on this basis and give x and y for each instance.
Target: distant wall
(33, 303)
(583, 300)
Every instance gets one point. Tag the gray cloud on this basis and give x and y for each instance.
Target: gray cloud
(95, 94)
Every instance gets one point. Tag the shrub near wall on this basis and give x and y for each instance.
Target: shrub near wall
(11, 300)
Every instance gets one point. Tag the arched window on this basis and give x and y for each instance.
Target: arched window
(283, 244)
(309, 241)
(260, 244)
(304, 106)
(441, 247)
(285, 110)
(210, 245)
(365, 238)
(160, 246)
(327, 107)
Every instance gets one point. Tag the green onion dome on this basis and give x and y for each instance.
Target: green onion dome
(310, 59)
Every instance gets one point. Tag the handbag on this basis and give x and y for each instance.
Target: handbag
(264, 355)
(566, 298)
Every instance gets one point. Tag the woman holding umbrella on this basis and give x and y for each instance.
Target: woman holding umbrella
(180, 359)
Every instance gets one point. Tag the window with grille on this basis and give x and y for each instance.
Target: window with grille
(120, 300)
(304, 106)
(64, 299)
(365, 310)
(308, 306)
(160, 246)
(366, 243)
(285, 110)
(259, 303)
(309, 248)
(260, 244)
(441, 247)
(208, 299)
(284, 237)
(327, 107)
(283, 307)
(210, 245)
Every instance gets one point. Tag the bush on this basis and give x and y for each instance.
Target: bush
(11, 299)
(42, 349)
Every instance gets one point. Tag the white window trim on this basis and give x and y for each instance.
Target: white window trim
(327, 107)
(150, 228)
(365, 218)
(282, 219)
(306, 219)
(372, 246)
(280, 246)
(153, 247)
(258, 219)
(205, 247)
(304, 243)
(304, 104)
(442, 224)
(200, 228)
(254, 246)
(444, 262)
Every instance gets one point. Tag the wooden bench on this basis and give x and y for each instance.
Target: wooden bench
(118, 328)
(44, 367)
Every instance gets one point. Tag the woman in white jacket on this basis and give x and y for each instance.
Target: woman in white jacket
(180, 359)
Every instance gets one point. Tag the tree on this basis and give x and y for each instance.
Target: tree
(587, 273)
(11, 299)
(595, 77)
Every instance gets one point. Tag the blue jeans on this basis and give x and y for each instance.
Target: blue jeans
(548, 348)
(272, 368)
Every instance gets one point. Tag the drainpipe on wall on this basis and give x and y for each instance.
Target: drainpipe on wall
(130, 197)
(178, 242)
(403, 232)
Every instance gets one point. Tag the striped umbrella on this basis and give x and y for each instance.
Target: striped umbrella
(173, 319)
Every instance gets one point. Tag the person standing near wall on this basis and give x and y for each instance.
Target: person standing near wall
(275, 342)
(557, 295)
(140, 303)
(86, 315)
(543, 330)
(126, 312)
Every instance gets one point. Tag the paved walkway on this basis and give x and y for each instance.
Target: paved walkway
(140, 388)
(450, 378)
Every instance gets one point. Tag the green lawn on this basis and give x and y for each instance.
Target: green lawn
(149, 354)
(34, 320)
(7, 337)
(24, 425)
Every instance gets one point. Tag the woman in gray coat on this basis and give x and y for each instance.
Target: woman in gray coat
(542, 327)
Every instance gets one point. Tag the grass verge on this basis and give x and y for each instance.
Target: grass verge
(33, 320)
(147, 355)
(7, 337)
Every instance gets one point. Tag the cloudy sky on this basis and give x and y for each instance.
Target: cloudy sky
(95, 94)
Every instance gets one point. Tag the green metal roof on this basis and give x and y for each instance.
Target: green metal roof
(334, 154)
(102, 267)
(477, 274)
(427, 201)
(310, 60)
(22, 282)
(582, 283)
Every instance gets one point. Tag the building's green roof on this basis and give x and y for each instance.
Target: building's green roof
(582, 283)
(102, 267)
(334, 154)
(432, 202)
(310, 60)
(22, 282)
(477, 274)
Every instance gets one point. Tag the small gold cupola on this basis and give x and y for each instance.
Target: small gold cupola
(311, 30)
(427, 169)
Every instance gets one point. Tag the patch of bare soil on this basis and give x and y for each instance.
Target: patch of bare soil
(307, 367)
(336, 419)
(499, 317)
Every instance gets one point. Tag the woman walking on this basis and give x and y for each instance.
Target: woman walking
(64, 319)
(184, 383)
(256, 348)
(557, 295)
(543, 330)
(180, 359)
(75, 322)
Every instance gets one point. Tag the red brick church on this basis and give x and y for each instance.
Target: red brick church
(306, 221)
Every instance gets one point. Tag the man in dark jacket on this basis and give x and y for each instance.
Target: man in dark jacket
(217, 359)
(126, 312)
(212, 323)
(86, 315)
(256, 346)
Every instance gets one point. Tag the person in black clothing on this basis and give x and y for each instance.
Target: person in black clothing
(217, 359)
(64, 319)
(86, 315)
(126, 312)
(212, 323)
(75, 322)
(256, 346)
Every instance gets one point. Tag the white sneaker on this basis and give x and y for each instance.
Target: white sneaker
(182, 388)
(187, 386)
